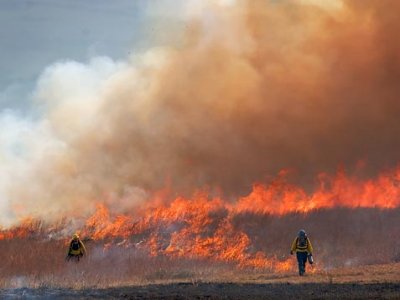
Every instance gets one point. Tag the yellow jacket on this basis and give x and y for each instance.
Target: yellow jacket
(80, 251)
(297, 248)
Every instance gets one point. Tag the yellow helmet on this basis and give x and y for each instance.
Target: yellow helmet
(75, 236)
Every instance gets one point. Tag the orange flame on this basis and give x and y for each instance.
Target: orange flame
(341, 191)
(203, 227)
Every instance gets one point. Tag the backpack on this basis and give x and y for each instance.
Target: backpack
(75, 245)
(302, 241)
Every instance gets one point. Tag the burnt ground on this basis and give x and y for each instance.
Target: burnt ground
(220, 291)
(362, 282)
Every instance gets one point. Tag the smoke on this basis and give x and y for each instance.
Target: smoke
(254, 87)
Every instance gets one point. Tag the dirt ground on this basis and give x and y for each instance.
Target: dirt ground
(365, 282)
(221, 291)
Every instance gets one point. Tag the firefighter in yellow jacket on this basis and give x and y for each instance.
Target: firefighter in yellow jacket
(76, 248)
(303, 248)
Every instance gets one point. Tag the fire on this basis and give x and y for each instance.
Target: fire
(203, 227)
(27, 227)
(281, 197)
(100, 227)
(199, 228)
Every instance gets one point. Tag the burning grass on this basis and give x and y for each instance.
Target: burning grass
(193, 247)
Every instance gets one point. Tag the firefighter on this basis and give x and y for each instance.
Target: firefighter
(303, 248)
(76, 248)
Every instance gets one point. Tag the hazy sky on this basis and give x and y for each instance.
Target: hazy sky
(36, 33)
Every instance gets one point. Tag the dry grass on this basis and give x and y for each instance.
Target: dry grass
(350, 246)
(368, 274)
(33, 263)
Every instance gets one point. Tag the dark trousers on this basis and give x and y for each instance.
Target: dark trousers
(302, 259)
(74, 257)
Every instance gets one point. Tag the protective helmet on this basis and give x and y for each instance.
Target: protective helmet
(302, 233)
(75, 236)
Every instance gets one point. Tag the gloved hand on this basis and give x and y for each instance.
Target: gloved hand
(291, 252)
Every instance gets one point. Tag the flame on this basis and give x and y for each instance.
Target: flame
(100, 227)
(199, 228)
(281, 197)
(203, 227)
(27, 227)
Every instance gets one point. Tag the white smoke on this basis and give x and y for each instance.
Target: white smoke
(253, 88)
(70, 94)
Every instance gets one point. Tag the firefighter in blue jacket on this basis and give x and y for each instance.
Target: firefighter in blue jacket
(303, 248)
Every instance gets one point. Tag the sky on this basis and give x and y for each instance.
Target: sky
(37, 33)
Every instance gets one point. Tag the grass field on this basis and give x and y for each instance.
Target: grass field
(364, 282)
(357, 255)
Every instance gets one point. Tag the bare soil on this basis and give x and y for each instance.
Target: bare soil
(365, 282)
(222, 291)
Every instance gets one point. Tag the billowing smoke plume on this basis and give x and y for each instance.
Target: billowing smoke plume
(254, 87)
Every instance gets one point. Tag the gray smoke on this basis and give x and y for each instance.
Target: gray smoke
(254, 87)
